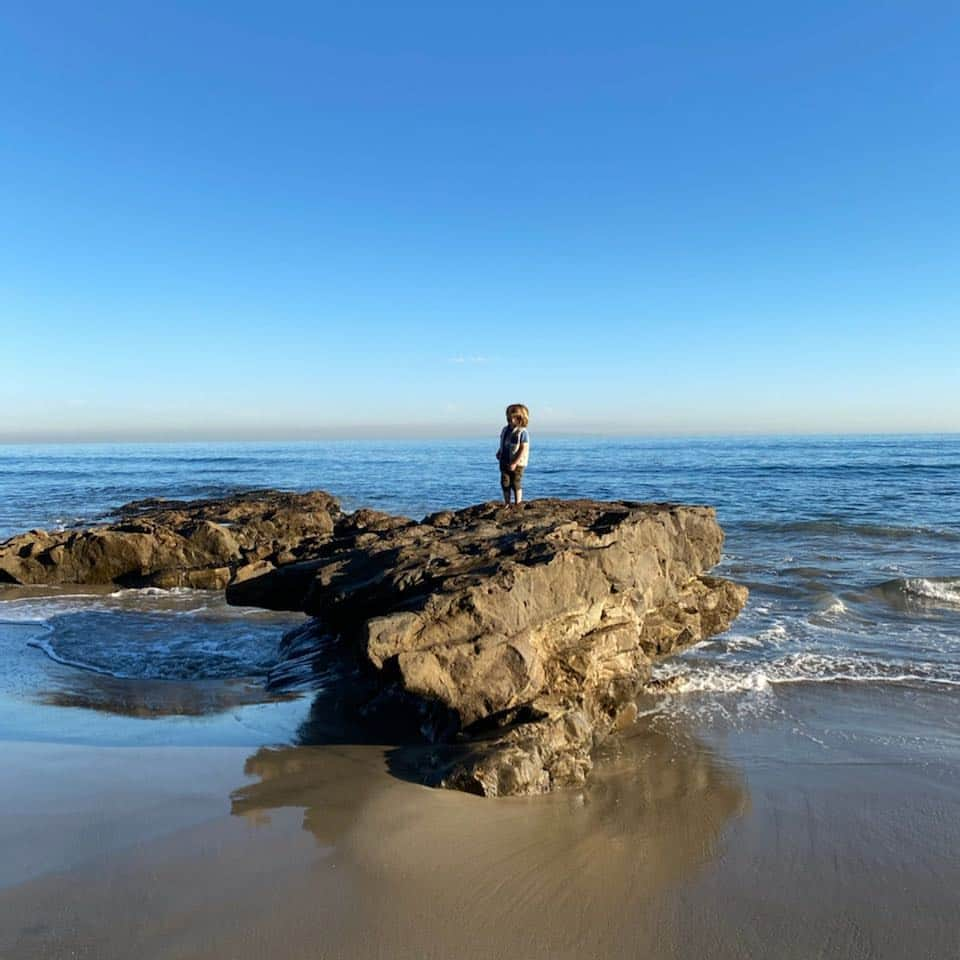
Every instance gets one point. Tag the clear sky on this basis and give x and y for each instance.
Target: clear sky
(232, 219)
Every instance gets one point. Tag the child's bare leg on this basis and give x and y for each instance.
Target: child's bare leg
(518, 494)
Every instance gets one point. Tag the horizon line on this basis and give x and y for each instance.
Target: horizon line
(421, 432)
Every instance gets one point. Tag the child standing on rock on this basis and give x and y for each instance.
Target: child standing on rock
(514, 451)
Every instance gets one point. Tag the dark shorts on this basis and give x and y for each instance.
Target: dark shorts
(511, 481)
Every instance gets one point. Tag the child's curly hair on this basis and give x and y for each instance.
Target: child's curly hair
(520, 410)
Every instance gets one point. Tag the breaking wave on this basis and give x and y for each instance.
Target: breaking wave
(906, 592)
(682, 678)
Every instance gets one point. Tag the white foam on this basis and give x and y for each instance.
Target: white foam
(774, 635)
(41, 609)
(742, 641)
(829, 613)
(48, 649)
(681, 679)
(947, 589)
(133, 592)
(721, 682)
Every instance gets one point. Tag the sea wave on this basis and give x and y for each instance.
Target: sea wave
(877, 531)
(127, 592)
(905, 592)
(174, 602)
(41, 609)
(155, 646)
(832, 612)
(48, 648)
(681, 678)
(832, 606)
(946, 589)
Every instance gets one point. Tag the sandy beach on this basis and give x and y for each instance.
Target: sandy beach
(813, 836)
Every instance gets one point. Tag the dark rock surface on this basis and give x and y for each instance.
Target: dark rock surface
(519, 637)
(205, 543)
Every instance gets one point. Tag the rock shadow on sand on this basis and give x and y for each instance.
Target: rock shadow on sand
(655, 811)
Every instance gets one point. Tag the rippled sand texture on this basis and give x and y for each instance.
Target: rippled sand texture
(757, 845)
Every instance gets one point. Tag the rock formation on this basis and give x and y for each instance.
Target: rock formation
(522, 636)
(516, 639)
(204, 544)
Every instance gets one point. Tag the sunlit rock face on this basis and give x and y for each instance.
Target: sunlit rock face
(521, 637)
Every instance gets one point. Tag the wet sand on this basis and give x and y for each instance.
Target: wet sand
(818, 834)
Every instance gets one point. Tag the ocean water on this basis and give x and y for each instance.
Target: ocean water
(850, 547)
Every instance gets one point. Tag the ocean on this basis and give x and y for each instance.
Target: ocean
(850, 547)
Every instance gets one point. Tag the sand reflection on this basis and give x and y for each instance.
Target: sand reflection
(654, 812)
(146, 699)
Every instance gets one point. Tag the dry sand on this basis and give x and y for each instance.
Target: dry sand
(758, 844)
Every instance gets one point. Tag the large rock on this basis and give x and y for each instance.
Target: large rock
(204, 544)
(523, 635)
(515, 638)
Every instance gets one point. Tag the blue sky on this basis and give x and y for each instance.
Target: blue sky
(291, 219)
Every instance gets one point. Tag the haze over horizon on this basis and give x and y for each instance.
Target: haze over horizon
(426, 432)
(232, 221)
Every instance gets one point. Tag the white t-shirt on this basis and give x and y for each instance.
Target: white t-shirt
(512, 441)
